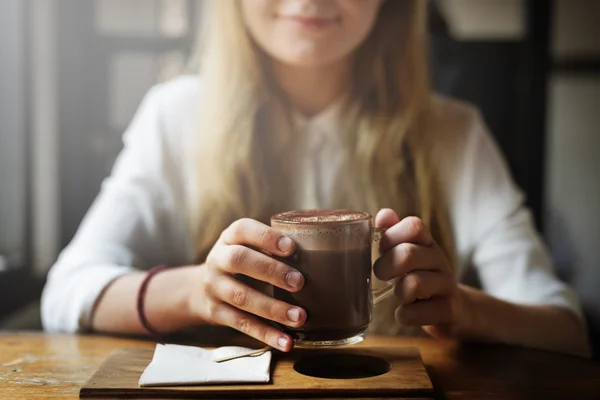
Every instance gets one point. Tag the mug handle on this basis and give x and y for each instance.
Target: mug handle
(386, 291)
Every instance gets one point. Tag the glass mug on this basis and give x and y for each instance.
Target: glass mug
(334, 253)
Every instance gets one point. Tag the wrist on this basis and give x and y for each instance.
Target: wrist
(166, 306)
(141, 305)
(464, 312)
(189, 302)
(477, 316)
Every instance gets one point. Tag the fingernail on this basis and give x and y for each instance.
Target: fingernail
(282, 342)
(294, 314)
(285, 244)
(294, 279)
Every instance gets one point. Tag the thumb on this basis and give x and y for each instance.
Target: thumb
(386, 218)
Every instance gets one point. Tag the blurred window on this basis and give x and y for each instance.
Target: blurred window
(147, 18)
(115, 50)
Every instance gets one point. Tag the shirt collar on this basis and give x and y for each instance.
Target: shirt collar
(326, 121)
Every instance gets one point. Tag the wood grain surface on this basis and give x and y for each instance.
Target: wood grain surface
(36, 366)
(119, 376)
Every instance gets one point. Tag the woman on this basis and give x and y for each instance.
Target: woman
(309, 104)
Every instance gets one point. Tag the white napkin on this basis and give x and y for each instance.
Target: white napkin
(174, 365)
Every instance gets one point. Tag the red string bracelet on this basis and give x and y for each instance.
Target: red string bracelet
(141, 295)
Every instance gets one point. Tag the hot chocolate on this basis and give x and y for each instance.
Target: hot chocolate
(334, 255)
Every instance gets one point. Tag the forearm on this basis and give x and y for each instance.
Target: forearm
(165, 303)
(485, 318)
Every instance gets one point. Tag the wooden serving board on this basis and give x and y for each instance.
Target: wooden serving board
(118, 376)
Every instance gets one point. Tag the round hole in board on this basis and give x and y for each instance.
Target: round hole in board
(342, 366)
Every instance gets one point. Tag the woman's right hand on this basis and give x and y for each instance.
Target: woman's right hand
(217, 297)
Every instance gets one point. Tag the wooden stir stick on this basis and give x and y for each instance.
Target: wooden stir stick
(252, 353)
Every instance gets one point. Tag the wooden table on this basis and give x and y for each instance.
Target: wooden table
(42, 366)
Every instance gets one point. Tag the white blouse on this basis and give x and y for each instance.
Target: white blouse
(139, 220)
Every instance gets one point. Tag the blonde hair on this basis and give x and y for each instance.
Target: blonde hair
(389, 148)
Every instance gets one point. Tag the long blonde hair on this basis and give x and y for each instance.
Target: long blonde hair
(243, 163)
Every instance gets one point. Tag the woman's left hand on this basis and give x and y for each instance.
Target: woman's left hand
(427, 288)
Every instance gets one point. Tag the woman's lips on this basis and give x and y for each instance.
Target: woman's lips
(310, 22)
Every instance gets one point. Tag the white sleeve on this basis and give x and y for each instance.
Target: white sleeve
(132, 224)
(494, 231)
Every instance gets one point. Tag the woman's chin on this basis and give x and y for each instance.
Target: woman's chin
(311, 60)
